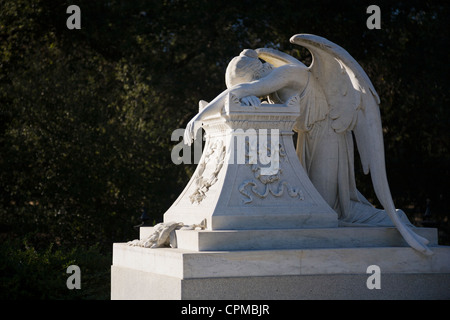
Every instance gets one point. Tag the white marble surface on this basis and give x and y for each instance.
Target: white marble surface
(129, 284)
(188, 264)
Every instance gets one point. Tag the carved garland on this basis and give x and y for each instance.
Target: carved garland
(215, 153)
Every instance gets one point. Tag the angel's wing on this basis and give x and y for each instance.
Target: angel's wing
(276, 58)
(353, 104)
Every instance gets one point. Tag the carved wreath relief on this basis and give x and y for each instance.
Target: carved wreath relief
(271, 184)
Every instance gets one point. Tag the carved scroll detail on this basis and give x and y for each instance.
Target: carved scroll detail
(282, 185)
(271, 184)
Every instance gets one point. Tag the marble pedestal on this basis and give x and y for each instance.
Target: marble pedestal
(249, 175)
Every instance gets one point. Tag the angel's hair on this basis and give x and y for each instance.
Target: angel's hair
(245, 68)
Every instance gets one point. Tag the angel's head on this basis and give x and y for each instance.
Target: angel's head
(246, 68)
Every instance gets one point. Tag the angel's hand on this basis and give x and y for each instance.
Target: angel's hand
(251, 101)
(191, 130)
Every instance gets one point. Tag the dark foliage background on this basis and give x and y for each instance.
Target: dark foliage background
(86, 115)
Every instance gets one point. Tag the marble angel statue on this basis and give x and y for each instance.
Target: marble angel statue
(337, 101)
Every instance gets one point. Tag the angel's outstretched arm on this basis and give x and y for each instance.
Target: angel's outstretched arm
(286, 77)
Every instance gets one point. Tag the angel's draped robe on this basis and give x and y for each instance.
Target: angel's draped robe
(328, 159)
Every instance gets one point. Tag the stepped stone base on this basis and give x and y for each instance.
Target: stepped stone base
(345, 237)
(291, 269)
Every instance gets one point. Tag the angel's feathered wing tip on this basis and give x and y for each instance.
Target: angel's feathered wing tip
(309, 38)
(299, 36)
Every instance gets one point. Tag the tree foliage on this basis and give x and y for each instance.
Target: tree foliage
(86, 115)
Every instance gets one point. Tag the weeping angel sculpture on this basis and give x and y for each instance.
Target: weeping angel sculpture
(337, 101)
